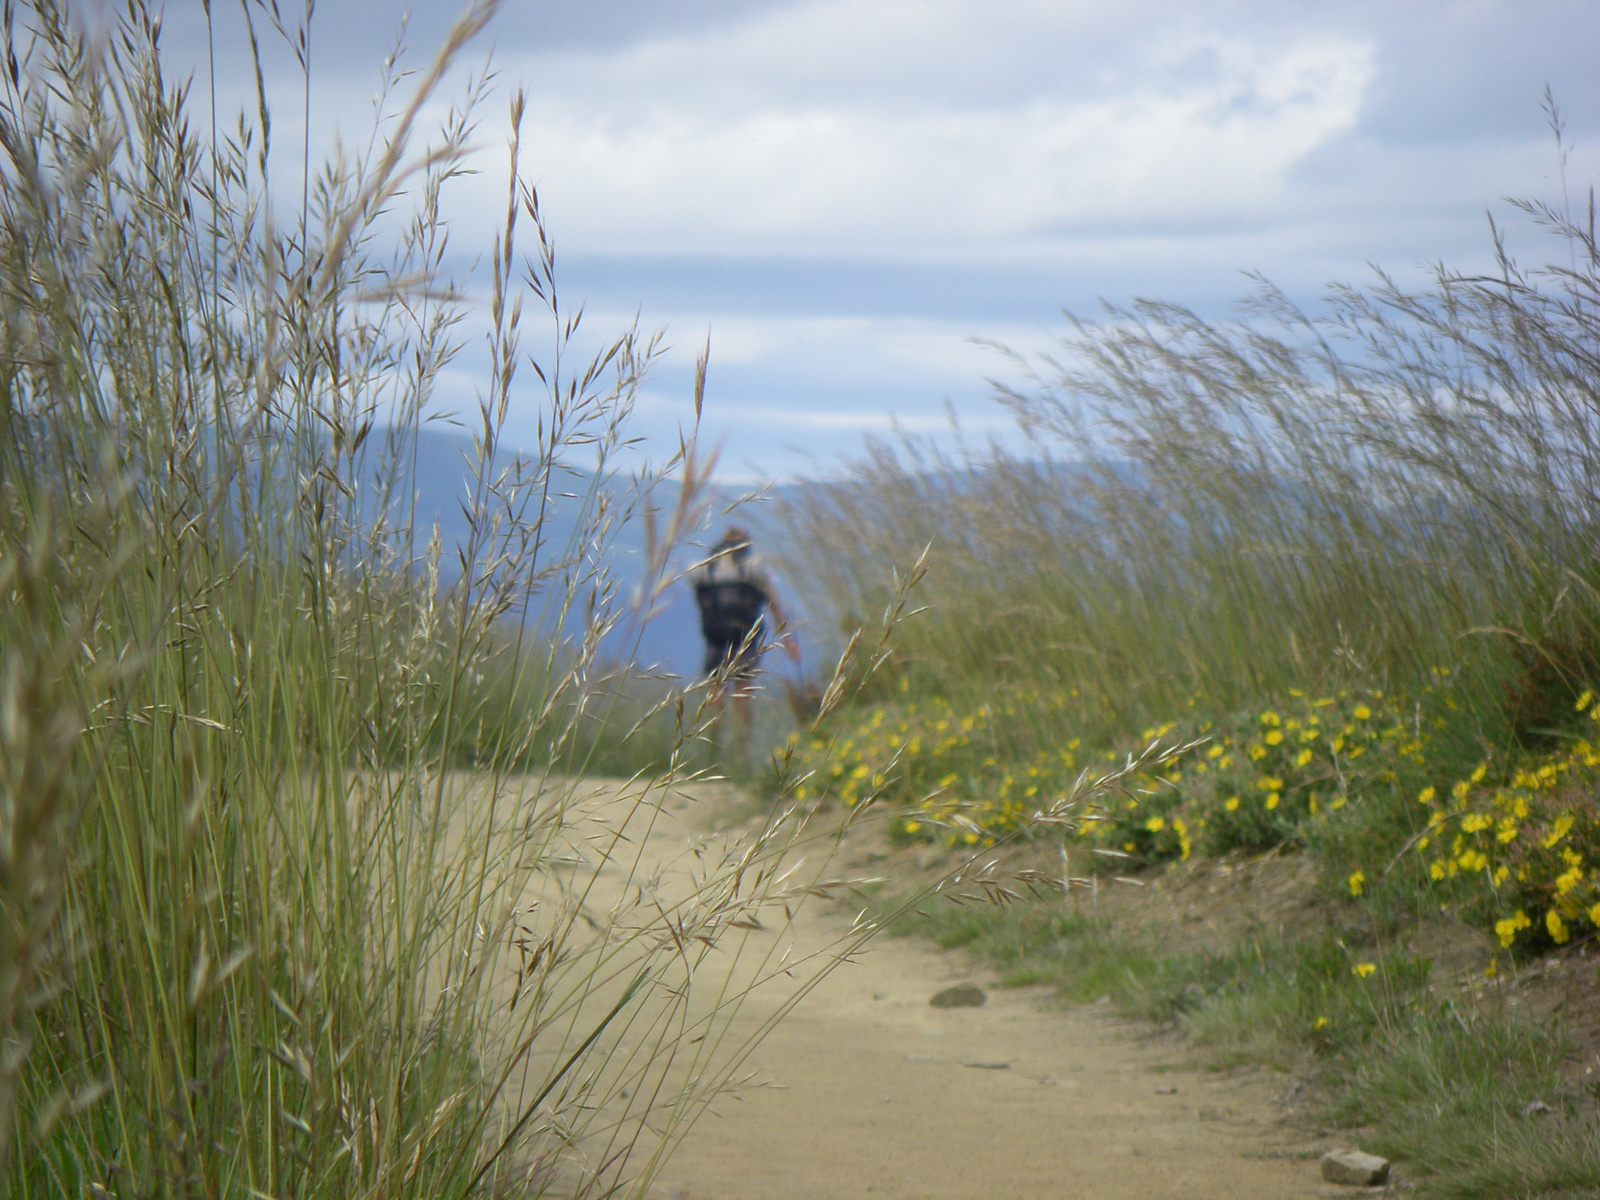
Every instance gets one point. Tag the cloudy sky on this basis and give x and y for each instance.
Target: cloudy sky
(846, 193)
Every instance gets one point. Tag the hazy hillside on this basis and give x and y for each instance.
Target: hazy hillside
(438, 466)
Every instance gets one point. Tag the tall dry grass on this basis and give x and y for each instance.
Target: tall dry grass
(258, 935)
(1401, 479)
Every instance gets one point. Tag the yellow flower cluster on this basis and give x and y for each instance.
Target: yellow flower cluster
(1252, 781)
(1266, 774)
(1521, 839)
(1516, 844)
(957, 772)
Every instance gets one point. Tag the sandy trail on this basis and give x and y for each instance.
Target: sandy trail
(867, 1090)
(876, 1093)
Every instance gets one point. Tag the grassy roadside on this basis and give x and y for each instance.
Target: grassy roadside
(1330, 576)
(1392, 1051)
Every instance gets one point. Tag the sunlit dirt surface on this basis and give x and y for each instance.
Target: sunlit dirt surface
(866, 1090)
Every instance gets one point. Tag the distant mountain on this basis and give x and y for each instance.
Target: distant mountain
(435, 472)
(439, 471)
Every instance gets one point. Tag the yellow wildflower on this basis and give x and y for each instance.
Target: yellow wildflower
(1155, 824)
(1473, 822)
(1556, 926)
(1272, 800)
(1559, 830)
(1271, 718)
(1303, 758)
(1319, 1023)
(1231, 803)
(1357, 882)
(1584, 701)
(1507, 927)
(1274, 736)
(1361, 712)
(1362, 970)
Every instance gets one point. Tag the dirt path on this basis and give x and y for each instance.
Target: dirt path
(874, 1092)
(867, 1090)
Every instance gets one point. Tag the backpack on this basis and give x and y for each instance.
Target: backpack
(729, 607)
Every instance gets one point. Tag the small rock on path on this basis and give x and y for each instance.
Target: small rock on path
(963, 995)
(1355, 1168)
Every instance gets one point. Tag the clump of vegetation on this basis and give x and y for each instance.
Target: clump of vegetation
(1541, 701)
(1251, 780)
(1349, 553)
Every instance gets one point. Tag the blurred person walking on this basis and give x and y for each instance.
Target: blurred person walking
(734, 592)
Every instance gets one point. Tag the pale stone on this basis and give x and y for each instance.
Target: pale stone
(1354, 1167)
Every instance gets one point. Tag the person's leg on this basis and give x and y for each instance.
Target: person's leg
(743, 711)
(742, 673)
(718, 682)
(719, 712)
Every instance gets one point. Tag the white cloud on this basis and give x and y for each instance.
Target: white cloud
(753, 419)
(975, 130)
(907, 344)
(780, 134)
(975, 161)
